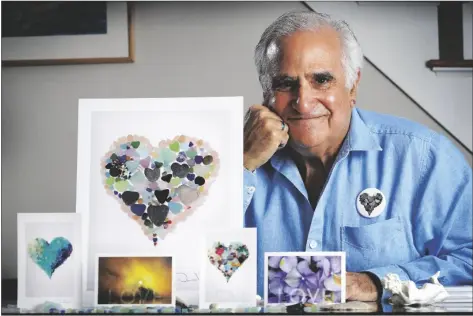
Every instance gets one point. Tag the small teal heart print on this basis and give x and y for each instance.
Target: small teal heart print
(49, 256)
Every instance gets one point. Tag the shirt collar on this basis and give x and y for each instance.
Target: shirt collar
(359, 137)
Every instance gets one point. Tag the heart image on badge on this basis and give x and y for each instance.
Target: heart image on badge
(371, 202)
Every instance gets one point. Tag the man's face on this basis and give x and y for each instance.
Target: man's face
(310, 92)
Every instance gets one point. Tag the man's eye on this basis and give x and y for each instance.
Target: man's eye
(284, 84)
(322, 79)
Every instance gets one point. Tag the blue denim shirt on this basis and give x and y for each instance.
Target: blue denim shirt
(426, 225)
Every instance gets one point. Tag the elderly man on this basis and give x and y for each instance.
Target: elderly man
(322, 175)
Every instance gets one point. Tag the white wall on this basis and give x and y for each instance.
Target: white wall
(378, 94)
(399, 38)
(182, 50)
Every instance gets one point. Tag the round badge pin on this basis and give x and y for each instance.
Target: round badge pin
(370, 202)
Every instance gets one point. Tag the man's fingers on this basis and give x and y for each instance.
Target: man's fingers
(271, 129)
(284, 141)
(285, 137)
(276, 131)
(350, 294)
(262, 111)
(258, 107)
(359, 287)
(271, 124)
(349, 286)
(286, 127)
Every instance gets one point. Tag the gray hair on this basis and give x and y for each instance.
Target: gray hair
(268, 52)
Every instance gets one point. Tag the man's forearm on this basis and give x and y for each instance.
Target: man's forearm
(455, 269)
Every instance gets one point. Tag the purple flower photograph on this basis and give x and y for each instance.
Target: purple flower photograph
(293, 279)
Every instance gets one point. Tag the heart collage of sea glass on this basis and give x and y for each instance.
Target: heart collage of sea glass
(159, 186)
(228, 259)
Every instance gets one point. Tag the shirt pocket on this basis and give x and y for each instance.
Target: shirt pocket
(377, 245)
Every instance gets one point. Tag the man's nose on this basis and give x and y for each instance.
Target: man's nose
(303, 99)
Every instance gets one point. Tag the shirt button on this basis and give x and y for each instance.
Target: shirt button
(251, 189)
(313, 244)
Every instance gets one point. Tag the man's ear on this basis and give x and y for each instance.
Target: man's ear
(354, 89)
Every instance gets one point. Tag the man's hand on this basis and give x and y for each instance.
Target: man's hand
(360, 287)
(263, 135)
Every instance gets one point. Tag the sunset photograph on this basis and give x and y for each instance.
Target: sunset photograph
(134, 281)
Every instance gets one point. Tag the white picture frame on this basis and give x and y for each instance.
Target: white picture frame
(59, 236)
(116, 46)
(101, 121)
(240, 291)
(340, 254)
(98, 304)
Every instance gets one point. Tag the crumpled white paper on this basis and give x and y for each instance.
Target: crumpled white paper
(406, 292)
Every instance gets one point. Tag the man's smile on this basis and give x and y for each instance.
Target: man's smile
(306, 118)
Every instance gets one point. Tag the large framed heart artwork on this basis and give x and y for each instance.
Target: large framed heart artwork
(49, 259)
(153, 175)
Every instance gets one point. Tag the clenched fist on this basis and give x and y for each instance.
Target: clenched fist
(264, 133)
(360, 287)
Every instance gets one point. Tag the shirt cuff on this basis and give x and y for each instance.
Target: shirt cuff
(249, 187)
(381, 272)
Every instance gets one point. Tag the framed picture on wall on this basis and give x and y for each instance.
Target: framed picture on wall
(49, 259)
(66, 32)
